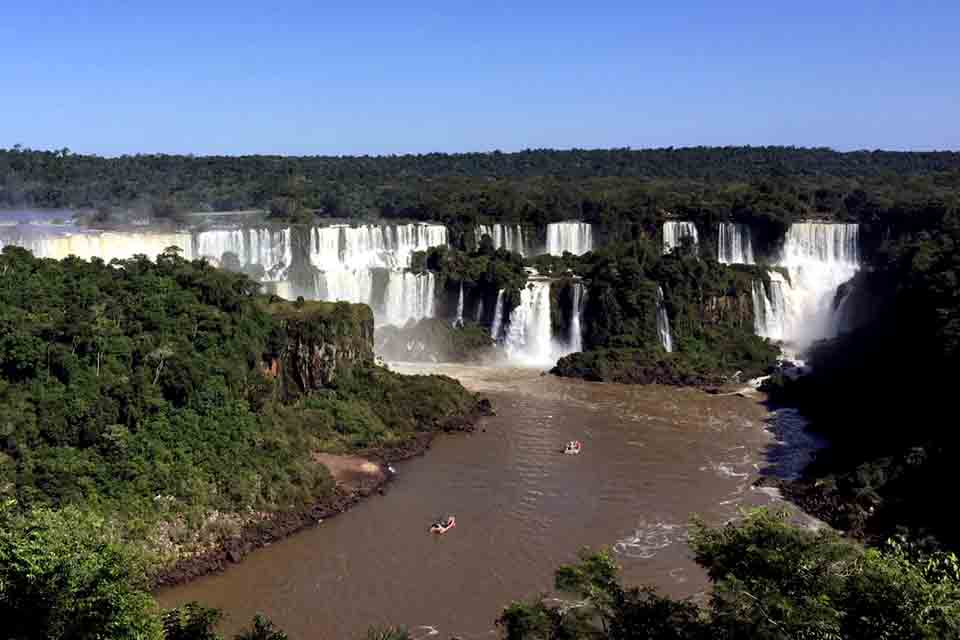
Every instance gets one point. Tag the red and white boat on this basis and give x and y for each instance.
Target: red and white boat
(573, 448)
(443, 527)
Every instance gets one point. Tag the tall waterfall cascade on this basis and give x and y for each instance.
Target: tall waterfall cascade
(409, 296)
(347, 256)
(458, 322)
(504, 236)
(770, 307)
(576, 324)
(663, 323)
(734, 245)
(497, 323)
(674, 231)
(574, 237)
(818, 257)
(268, 248)
(529, 337)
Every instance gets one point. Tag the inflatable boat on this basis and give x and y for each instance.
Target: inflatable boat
(443, 527)
(573, 448)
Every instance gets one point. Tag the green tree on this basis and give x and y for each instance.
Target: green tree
(64, 575)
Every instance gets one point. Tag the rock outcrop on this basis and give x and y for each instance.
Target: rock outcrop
(315, 342)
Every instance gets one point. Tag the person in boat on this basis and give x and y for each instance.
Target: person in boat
(443, 524)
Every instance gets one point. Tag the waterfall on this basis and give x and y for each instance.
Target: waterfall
(575, 237)
(106, 245)
(344, 257)
(818, 257)
(770, 307)
(213, 244)
(497, 317)
(355, 285)
(479, 317)
(347, 255)
(372, 246)
(529, 339)
(268, 248)
(576, 331)
(663, 323)
(504, 236)
(409, 296)
(675, 230)
(735, 245)
(459, 321)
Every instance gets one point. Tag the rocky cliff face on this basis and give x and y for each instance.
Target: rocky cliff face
(316, 342)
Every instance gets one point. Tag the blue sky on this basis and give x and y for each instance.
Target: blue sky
(408, 77)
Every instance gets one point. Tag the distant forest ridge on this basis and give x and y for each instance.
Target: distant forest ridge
(418, 185)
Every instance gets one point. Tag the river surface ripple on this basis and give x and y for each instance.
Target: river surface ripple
(652, 456)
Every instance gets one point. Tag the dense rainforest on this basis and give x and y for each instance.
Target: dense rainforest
(150, 411)
(147, 410)
(766, 186)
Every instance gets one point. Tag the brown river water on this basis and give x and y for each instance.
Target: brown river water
(652, 456)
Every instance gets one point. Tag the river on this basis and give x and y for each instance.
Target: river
(652, 456)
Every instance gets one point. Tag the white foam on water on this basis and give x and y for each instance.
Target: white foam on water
(648, 539)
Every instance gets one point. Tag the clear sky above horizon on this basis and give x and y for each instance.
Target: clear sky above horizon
(217, 77)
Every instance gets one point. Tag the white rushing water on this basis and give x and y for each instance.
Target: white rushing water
(675, 230)
(106, 245)
(663, 323)
(576, 324)
(818, 257)
(574, 237)
(344, 285)
(528, 336)
(268, 248)
(734, 245)
(372, 245)
(529, 339)
(347, 257)
(770, 307)
(504, 236)
(409, 296)
(497, 323)
(458, 322)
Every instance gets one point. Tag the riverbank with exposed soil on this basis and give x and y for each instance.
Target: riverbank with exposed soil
(357, 477)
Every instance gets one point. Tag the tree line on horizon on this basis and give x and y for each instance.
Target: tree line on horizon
(607, 186)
